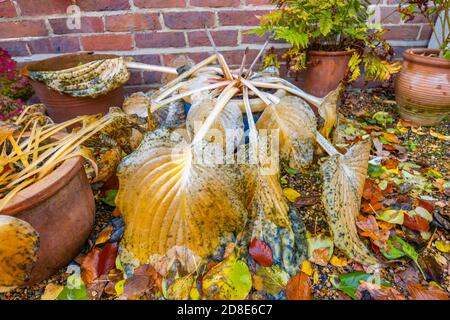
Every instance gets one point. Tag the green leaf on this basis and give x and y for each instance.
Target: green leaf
(383, 118)
(274, 279)
(349, 282)
(75, 289)
(292, 171)
(376, 170)
(391, 216)
(228, 280)
(110, 198)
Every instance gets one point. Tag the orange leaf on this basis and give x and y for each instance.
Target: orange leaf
(416, 222)
(392, 138)
(98, 262)
(369, 228)
(420, 292)
(379, 292)
(299, 287)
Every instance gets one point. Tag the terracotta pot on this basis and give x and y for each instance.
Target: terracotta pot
(326, 69)
(61, 208)
(422, 88)
(62, 107)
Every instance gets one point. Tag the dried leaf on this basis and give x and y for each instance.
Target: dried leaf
(420, 292)
(344, 177)
(379, 292)
(98, 262)
(299, 287)
(442, 246)
(320, 249)
(297, 125)
(52, 291)
(369, 228)
(19, 243)
(180, 289)
(167, 200)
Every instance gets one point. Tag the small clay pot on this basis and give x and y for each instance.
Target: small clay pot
(422, 88)
(61, 208)
(63, 107)
(325, 70)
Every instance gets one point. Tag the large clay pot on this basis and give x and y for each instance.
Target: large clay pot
(325, 70)
(62, 107)
(61, 208)
(422, 89)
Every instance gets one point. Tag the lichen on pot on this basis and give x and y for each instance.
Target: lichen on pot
(422, 88)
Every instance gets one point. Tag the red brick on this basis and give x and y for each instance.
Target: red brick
(18, 29)
(251, 38)
(404, 32)
(215, 3)
(135, 78)
(132, 22)
(107, 42)
(15, 48)
(149, 4)
(103, 5)
(235, 57)
(188, 20)
(88, 25)
(258, 2)
(54, 45)
(160, 40)
(43, 7)
(148, 59)
(196, 57)
(7, 9)
(221, 38)
(240, 18)
(389, 15)
(426, 32)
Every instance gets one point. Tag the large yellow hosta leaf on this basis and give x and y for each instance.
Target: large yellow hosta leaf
(19, 243)
(297, 124)
(344, 177)
(168, 200)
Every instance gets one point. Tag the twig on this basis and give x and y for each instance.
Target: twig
(249, 71)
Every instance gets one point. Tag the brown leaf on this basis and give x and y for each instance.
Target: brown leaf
(420, 292)
(369, 228)
(307, 201)
(416, 222)
(299, 287)
(379, 292)
(391, 163)
(98, 262)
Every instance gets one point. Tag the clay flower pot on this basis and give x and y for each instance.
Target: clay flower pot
(325, 70)
(422, 88)
(62, 107)
(61, 208)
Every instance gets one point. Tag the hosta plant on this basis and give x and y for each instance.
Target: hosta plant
(334, 25)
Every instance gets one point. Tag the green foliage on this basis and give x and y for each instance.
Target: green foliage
(332, 25)
(409, 9)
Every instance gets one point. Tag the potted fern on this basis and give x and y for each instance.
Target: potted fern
(422, 88)
(330, 40)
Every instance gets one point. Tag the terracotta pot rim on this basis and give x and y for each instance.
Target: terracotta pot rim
(45, 188)
(56, 60)
(330, 53)
(412, 55)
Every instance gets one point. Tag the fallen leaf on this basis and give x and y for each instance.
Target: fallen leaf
(299, 287)
(307, 267)
(391, 216)
(338, 262)
(379, 292)
(98, 262)
(104, 235)
(274, 279)
(420, 292)
(369, 228)
(392, 138)
(52, 291)
(439, 135)
(291, 194)
(261, 252)
(350, 282)
(320, 249)
(227, 280)
(180, 289)
(443, 246)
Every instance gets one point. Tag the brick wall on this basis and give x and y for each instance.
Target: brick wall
(155, 31)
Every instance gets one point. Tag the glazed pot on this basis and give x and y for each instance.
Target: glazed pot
(62, 107)
(325, 70)
(422, 88)
(61, 208)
